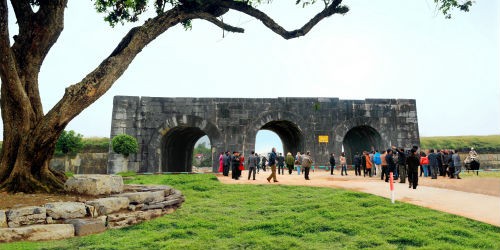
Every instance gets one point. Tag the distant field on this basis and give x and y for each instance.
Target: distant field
(482, 144)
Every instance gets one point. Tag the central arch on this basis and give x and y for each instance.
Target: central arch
(289, 133)
(359, 139)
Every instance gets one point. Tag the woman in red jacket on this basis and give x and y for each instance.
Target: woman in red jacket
(424, 164)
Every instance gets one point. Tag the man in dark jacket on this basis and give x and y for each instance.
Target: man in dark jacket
(413, 162)
(357, 164)
(252, 164)
(281, 164)
(401, 164)
(433, 162)
(235, 165)
(226, 163)
(391, 165)
(332, 163)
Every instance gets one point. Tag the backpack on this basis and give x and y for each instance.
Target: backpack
(306, 161)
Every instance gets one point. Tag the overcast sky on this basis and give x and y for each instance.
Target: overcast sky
(380, 49)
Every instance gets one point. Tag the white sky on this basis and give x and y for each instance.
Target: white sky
(380, 49)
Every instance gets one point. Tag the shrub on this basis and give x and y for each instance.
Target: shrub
(69, 143)
(125, 145)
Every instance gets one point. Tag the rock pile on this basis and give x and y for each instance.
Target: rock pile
(131, 204)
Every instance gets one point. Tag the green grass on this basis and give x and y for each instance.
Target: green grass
(482, 144)
(482, 174)
(95, 145)
(217, 216)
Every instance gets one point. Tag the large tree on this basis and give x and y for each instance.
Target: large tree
(30, 135)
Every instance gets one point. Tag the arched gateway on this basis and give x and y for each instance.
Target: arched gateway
(168, 128)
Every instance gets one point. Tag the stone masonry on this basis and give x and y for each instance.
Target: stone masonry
(168, 128)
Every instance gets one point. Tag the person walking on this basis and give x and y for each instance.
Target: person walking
(252, 165)
(235, 165)
(367, 164)
(272, 164)
(343, 164)
(332, 163)
(241, 167)
(457, 163)
(357, 164)
(433, 162)
(227, 164)
(257, 160)
(413, 162)
(391, 165)
(306, 164)
(385, 170)
(402, 169)
(289, 161)
(264, 163)
(221, 162)
(377, 160)
(297, 162)
(281, 164)
(424, 164)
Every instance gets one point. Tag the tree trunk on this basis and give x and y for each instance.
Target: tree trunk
(25, 164)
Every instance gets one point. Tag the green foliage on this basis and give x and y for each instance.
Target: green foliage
(446, 6)
(69, 174)
(207, 156)
(95, 145)
(125, 145)
(215, 216)
(482, 144)
(69, 143)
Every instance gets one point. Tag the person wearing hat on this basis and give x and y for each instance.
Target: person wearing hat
(289, 161)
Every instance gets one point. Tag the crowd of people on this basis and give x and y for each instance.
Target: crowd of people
(235, 163)
(403, 164)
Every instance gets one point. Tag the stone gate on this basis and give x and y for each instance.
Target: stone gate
(168, 128)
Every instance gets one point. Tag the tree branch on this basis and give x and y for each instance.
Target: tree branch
(334, 8)
(79, 96)
(220, 24)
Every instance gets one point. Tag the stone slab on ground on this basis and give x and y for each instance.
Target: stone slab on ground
(66, 210)
(37, 232)
(87, 226)
(126, 219)
(94, 184)
(144, 197)
(3, 219)
(141, 188)
(26, 216)
(109, 205)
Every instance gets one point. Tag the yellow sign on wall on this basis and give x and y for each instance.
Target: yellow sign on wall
(323, 139)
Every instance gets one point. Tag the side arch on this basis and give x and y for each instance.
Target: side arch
(175, 140)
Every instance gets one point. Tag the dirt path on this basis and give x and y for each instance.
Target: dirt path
(475, 198)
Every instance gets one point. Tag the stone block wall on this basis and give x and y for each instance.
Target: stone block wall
(167, 128)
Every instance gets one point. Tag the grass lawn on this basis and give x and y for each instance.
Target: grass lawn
(217, 216)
